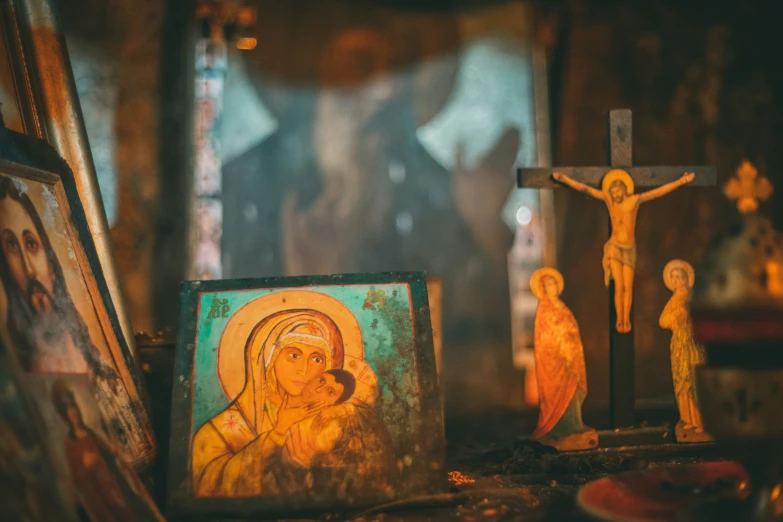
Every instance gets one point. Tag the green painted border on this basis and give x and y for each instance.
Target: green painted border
(181, 501)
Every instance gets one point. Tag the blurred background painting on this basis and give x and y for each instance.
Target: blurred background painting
(372, 135)
(383, 140)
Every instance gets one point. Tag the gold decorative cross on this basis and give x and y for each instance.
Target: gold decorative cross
(748, 188)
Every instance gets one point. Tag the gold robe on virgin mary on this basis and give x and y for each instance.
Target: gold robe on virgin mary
(235, 454)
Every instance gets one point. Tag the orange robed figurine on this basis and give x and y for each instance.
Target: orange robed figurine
(560, 368)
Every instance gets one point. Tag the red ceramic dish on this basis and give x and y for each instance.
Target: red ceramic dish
(657, 494)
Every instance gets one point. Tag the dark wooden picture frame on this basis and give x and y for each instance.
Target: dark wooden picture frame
(256, 322)
(33, 161)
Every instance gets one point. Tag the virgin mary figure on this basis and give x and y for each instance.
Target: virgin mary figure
(268, 441)
(560, 367)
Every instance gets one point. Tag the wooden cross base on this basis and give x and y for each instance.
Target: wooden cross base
(621, 345)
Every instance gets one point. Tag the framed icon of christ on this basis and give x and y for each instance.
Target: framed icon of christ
(56, 313)
(304, 394)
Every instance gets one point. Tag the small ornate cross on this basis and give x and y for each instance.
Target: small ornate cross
(748, 188)
(374, 297)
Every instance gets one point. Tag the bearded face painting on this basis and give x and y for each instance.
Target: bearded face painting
(306, 395)
(49, 315)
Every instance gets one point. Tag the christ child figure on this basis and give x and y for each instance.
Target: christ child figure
(686, 354)
(316, 443)
(306, 430)
(619, 261)
(560, 368)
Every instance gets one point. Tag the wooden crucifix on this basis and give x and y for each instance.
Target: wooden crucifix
(615, 186)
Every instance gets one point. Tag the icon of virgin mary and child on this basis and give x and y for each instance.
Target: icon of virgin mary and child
(302, 421)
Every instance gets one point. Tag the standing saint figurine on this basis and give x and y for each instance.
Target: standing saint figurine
(560, 368)
(686, 355)
(619, 259)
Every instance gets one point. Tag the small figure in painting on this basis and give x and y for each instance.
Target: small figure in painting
(619, 261)
(560, 368)
(686, 354)
(24, 496)
(107, 490)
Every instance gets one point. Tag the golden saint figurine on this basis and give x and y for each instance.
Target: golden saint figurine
(619, 259)
(686, 354)
(560, 368)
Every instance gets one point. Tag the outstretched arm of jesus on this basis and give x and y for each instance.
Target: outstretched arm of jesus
(581, 187)
(665, 189)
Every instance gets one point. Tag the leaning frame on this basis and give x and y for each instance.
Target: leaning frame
(45, 94)
(34, 161)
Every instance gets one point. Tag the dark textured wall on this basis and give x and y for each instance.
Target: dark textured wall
(705, 88)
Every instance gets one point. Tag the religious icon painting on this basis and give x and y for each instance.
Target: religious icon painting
(56, 315)
(56, 460)
(304, 394)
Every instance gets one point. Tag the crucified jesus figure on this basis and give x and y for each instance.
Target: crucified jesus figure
(619, 261)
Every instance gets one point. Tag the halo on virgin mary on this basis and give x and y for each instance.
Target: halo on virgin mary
(231, 349)
(538, 277)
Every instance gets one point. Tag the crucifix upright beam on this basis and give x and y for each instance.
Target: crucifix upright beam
(621, 345)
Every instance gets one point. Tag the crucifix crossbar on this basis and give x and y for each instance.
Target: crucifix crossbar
(621, 344)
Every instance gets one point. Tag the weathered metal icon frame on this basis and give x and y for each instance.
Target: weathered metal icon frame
(428, 429)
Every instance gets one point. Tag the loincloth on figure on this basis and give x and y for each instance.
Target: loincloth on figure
(625, 255)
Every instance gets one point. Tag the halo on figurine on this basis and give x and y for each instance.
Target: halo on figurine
(674, 264)
(747, 188)
(617, 175)
(537, 279)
